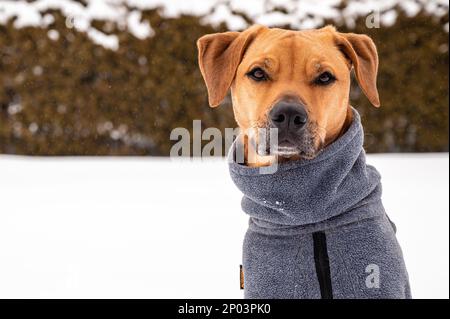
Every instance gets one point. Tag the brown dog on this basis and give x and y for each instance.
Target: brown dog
(295, 81)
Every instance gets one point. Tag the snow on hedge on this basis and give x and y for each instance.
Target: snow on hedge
(127, 13)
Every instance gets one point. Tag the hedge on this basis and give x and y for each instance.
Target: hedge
(60, 94)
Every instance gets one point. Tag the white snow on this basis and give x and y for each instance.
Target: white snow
(53, 35)
(78, 17)
(137, 28)
(148, 227)
(126, 14)
(109, 41)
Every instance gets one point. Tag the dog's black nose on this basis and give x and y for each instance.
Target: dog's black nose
(288, 116)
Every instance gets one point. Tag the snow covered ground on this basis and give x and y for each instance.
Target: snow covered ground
(155, 228)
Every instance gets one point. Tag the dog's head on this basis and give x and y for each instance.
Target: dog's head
(295, 81)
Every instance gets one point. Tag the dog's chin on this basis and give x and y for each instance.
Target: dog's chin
(289, 151)
(285, 151)
(295, 153)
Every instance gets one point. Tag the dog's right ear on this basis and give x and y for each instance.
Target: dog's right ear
(219, 56)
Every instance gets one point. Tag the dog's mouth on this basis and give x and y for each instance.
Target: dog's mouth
(288, 151)
(302, 146)
(285, 149)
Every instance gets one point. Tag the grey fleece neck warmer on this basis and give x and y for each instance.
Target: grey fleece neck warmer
(318, 228)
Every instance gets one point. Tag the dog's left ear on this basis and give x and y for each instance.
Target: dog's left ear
(362, 52)
(219, 56)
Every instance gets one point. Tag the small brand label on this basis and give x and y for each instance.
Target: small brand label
(241, 277)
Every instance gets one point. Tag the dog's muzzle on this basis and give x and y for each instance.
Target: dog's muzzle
(290, 118)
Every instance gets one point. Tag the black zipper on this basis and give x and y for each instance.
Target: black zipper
(322, 265)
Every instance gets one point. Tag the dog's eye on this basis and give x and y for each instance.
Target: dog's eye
(325, 78)
(257, 74)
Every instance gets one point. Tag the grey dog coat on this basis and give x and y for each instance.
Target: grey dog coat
(318, 228)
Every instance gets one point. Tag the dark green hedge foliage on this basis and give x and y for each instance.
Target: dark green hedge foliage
(72, 97)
